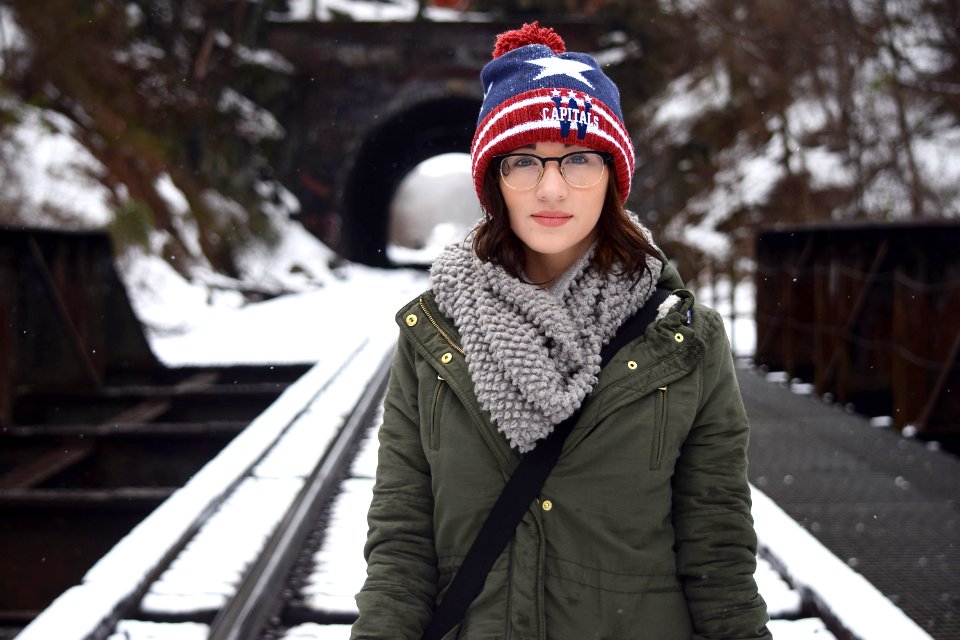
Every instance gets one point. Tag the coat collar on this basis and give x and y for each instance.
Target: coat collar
(670, 349)
(437, 341)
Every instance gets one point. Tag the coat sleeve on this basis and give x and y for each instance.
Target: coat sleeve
(716, 542)
(398, 597)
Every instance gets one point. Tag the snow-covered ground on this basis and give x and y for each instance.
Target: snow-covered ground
(186, 325)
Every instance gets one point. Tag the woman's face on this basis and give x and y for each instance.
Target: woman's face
(556, 222)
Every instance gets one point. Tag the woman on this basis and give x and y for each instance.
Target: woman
(643, 527)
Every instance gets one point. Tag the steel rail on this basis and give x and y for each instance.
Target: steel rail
(260, 593)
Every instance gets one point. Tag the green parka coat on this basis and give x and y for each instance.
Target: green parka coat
(642, 530)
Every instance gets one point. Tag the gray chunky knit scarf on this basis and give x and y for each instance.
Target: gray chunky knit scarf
(534, 355)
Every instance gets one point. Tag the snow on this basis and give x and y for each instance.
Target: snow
(864, 611)
(314, 631)
(938, 158)
(11, 39)
(367, 10)
(738, 317)
(435, 205)
(339, 566)
(745, 179)
(141, 630)
(206, 574)
(826, 168)
(264, 58)
(52, 171)
(139, 55)
(288, 329)
(687, 98)
(255, 123)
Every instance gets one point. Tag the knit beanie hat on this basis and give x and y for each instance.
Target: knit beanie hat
(537, 91)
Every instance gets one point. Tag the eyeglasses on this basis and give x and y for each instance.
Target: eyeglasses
(580, 169)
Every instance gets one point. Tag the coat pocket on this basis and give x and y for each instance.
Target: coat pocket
(659, 428)
(435, 414)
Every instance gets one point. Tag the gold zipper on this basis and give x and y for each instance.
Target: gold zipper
(436, 326)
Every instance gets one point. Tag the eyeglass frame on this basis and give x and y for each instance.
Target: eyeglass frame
(606, 156)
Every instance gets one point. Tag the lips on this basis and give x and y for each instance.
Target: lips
(551, 218)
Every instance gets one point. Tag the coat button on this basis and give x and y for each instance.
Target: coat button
(411, 320)
(446, 358)
(631, 365)
(547, 505)
(678, 337)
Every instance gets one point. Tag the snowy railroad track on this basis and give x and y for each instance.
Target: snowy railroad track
(193, 567)
(265, 543)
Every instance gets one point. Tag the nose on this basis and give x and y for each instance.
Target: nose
(552, 185)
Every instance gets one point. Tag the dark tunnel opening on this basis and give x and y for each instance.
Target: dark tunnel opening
(386, 157)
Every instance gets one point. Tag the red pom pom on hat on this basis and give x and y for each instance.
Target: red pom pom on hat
(528, 34)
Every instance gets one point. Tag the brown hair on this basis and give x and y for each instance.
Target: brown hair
(619, 241)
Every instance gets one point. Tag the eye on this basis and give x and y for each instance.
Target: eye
(579, 158)
(520, 162)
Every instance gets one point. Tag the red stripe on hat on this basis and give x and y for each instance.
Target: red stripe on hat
(527, 118)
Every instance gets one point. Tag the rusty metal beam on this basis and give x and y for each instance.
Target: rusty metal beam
(940, 389)
(854, 316)
(6, 362)
(127, 429)
(775, 324)
(887, 304)
(74, 338)
(66, 323)
(41, 468)
(145, 411)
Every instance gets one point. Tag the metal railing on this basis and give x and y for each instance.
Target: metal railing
(870, 314)
(65, 319)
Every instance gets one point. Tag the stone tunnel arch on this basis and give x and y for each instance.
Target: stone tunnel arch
(370, 101)
(386, 155)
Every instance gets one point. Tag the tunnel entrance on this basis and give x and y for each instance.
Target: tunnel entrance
(434, 205)
(390, 154)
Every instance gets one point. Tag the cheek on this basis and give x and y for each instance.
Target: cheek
(600, 198)
(512, 204)
(593, 203)
(522, 228)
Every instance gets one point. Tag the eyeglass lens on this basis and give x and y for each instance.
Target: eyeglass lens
(580, 169)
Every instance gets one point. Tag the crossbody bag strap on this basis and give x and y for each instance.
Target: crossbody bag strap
(521, 489)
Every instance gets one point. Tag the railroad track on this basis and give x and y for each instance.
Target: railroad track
(78, 471)
(276, 552)
(257, 493)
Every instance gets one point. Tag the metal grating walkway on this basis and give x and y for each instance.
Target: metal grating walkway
(885, 504)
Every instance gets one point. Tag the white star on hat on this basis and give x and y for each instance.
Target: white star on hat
(562, 67)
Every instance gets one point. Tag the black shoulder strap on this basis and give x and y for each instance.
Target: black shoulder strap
(520, 490)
